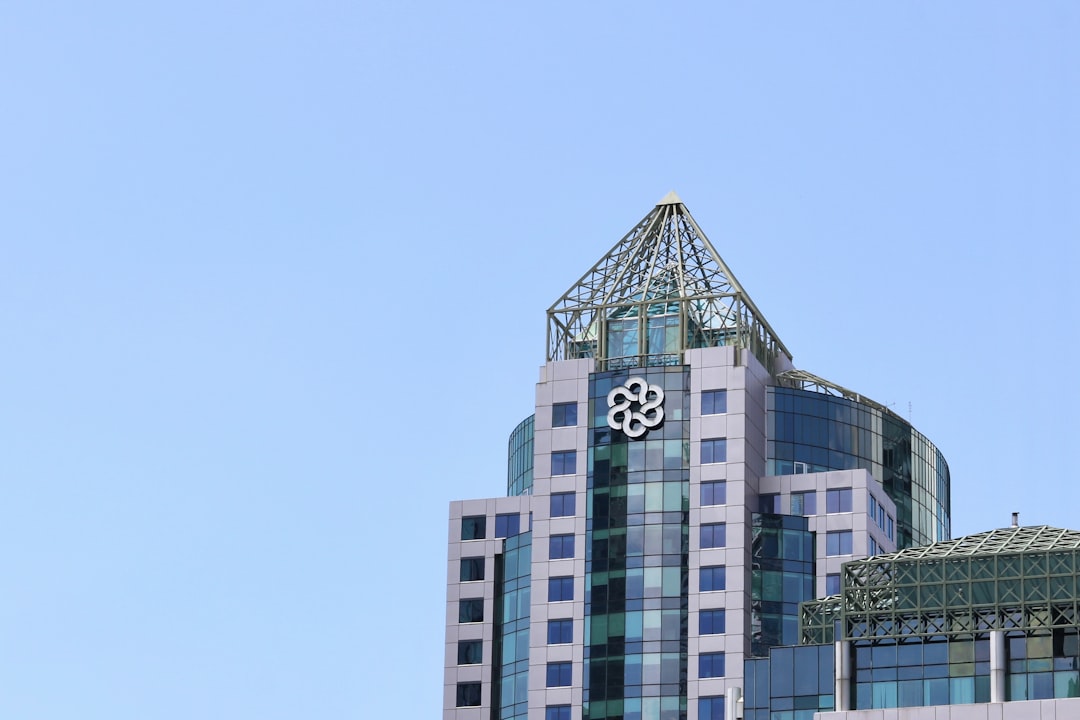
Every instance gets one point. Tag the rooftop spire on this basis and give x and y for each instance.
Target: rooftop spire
(662, 289)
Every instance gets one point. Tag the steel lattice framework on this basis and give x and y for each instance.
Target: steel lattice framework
(1021, 578)
(664, 267)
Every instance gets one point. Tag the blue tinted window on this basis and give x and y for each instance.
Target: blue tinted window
(564, 462)
(713, 535)
(711, 665)
(713, 578)
(713, 402)
(713, 451)
(711, 622)
(471, 610)
(559, 674)
(468, 694)
(769, 503)
(711, 708)
(473, 527)
(472, 568)
(804, 503)
(838, 500)
(713, 493)
(557, 712)
(560, 588)
(560, 632)
(560, 546)
(562, 505)
(838, 542)
(507, 525)
(470, 652)
(564, 414)
(832, 584)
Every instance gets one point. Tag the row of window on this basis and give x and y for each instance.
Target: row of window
(837, 500)
(713, 402)
(882, 518)
(474, 527)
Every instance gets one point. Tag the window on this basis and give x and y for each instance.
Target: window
(560, 588)
(468, 694)
(557, 712)
(871, 507)
(473, 527)
(889, 531)
(873, 546)
(838, 500)
(713, 451)
(711, 622)
(559, 674)
(832, 584)
(881, 517)
(714, 493)
(507, 525)
(713, 402)
(564, 414)
(560, 632)
(470, 652)
(769, 503)
(713, 535)
(562, 504)
(471, 610)
(713, 578)
(711, 708)
(560, 546)
(838, 542)
(564, 462)
(472, 568)
(711, 665)
(804, 503)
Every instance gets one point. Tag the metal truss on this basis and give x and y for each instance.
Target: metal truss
(1022, 578)
(664, 267)
(802, 380)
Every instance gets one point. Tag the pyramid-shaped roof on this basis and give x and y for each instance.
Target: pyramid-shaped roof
(663, 273)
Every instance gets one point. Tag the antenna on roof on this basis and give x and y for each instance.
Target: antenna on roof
(1016, 519)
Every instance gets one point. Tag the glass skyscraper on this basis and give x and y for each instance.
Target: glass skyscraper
(679, 489)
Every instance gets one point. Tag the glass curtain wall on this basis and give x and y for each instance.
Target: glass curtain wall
(510, 686)
(782, 576)
(637, 559)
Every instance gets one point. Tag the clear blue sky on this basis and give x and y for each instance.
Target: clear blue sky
(270, 271)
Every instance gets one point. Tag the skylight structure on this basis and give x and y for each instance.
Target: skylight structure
(662, 289)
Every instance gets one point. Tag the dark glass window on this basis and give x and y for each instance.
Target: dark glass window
(713, 450)
(711, 708)
(472, 568)
(560, 546)
(562, 504)
(560, 588)
(564, 414)
(713, 578)
(711, 622)
(713, 402)
(769, 503)
(468, 694)
(471, 610)
(473, 527)
(507, 525)
(564, 462)
(838, 500)
(804, 503)
(557, 712)
(560, 632)
(714, 493)
(470, 652)
(832, 584)
(559, 674)
(838, 542)
(713, 535)
(711, 665)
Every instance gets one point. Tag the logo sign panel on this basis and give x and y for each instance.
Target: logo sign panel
(636, 407)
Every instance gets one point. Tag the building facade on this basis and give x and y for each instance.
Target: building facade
(680, 488)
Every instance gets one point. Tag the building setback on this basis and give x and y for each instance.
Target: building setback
(679, 490)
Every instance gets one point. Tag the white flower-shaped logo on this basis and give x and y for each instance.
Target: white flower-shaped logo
(649, 414)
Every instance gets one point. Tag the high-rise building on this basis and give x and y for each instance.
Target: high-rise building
(679, 490)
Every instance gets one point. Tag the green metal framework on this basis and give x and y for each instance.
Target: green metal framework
(662, 289)
(1020, 578)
